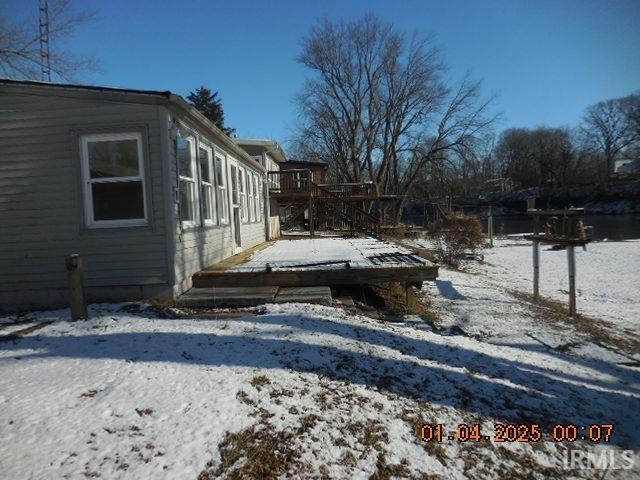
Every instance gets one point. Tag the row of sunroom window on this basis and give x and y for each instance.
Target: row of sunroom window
(198, 163)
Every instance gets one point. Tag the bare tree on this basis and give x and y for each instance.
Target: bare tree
(20, 47)
(608, 129)
(631, 108)
(540, 157)
(377, 107)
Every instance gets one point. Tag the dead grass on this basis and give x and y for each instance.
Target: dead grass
(385, 471)
(244, 398)
(259, 381)
(524, 466)
(369, 434)
(262, 451)
(557, 312)
(401, 301)
(258, 452)
(416, 420)
(308, 422)
(281, 392)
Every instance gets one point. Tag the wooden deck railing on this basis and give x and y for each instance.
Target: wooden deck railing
(332, 197)
(290, 181)
(357, 218)
(349, 189)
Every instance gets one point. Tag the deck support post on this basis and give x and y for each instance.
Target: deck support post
(571, 260)
(311, 226)
(351, 220)
(490, 227)
(406, 286)
(536, 269)
(75, 272)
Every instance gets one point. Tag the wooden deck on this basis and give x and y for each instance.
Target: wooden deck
(316, 269)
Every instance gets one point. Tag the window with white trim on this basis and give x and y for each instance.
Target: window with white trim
(243, 194)
(113, 175)
(187, 180)
(221, 189)
(258, 193)
(252, 204)
(207, 190)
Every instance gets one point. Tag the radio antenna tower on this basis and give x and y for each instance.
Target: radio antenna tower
(45, 52)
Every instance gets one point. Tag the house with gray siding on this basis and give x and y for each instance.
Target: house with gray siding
(270, 154)
(140, 184)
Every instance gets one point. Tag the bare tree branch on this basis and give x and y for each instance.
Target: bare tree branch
(20, 46)
(377, 108)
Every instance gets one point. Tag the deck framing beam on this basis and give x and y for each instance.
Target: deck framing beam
(314, 277)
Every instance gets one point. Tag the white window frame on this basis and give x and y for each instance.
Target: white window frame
(193, 181)
(258, 188)
(88, 181)
(251, 196)
(242, 185)
(221, 186)
(211, 186)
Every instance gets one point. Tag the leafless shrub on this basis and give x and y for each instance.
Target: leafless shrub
(456, 235)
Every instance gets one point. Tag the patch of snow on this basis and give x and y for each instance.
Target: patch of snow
(323, 253)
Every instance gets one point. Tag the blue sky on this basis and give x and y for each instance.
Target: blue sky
(546, 60)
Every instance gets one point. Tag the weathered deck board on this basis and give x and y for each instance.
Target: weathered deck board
(316, 277)
(240, 258)
(227, 297)
(316, 294)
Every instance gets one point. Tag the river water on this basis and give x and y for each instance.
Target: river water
(610, 227)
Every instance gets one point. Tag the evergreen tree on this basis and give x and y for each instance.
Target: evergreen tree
(210, 106)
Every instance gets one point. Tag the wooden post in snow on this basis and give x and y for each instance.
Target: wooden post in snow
(536, 269)
(490, 226)
(531, 205)
(571, 260)
(75, 273)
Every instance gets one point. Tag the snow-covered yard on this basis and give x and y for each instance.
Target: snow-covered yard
(314, 391)
(608, 287)
(608, 277)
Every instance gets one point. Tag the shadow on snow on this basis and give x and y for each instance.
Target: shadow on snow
(500, 387)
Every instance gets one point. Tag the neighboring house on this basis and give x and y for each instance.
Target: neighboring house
(139, 183)
(498, 185)
(318, 169)
(626, 167)
(270, 155)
